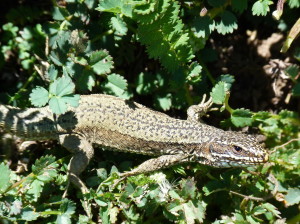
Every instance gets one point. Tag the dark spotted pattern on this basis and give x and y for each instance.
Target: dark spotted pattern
(122, 125)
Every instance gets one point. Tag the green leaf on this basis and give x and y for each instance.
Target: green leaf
(62, 86)
(189, 189)
(63, 219)
(271, 126)
(296, 89)
(116, 7)
(34, 192)
(189, 213)
(174, 195)
(261, 7)
(111, 89)
(79, 60)
(39, 96)
(100, 202)
(292, 71)
(213, 186)
(179, 169)
(296, 53)
(292, 197)
(101, 62)
(251, 220)
(29, 215)
(227, 24)
(11, 28)
(163, 102)
(241, 117)
(194, 211)
(203, 26)
(52, 73)
(113, 213)
(72, 100)
(57, 106)
(294, 3)
(62, 95)
(113, 6)
(44, 166)
(118, 81)
(228, 79)
(195, 73)
(61, 42)
(67, 208)
(218, 93)
(59, 13)
(147, 82)
(151, 11)
(271, 208)
(55, 59)
(119, 25)
(258, 210)
(102, 173)
(239, 5)
(116, 85)
(164, 36)
(83, 219)
(4, 177)
(86, 81)
(16, 207)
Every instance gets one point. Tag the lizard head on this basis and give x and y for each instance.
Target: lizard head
(233, 149)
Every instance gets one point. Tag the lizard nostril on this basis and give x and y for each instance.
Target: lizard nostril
(266, 157)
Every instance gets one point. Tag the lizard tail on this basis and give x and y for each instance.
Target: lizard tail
(32, 123)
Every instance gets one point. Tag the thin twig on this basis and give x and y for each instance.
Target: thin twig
(247, 197)
(285, 144)
(251, 172)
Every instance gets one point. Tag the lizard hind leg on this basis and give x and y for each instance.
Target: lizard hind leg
(83, 153)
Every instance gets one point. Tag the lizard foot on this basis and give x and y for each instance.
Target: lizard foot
(84, 190)
(195, 112)
(117, 182)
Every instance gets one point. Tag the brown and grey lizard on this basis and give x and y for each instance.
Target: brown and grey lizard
(117, 124)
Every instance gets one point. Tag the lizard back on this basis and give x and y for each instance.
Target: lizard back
(126, 125)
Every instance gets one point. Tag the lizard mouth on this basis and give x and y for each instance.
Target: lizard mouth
(223, 163)
(245, 163)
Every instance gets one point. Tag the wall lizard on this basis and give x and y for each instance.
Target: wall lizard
(116, 124)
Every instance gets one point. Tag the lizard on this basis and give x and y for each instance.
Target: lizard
(122, 125)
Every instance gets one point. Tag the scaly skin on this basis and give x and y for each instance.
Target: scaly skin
(117, 124)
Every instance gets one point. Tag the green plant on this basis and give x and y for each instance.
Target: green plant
(161, 51)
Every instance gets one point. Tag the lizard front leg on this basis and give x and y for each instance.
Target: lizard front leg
(154, 164)
(83, 153)
(195, 112)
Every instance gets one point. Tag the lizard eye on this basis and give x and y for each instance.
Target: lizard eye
(237, 148)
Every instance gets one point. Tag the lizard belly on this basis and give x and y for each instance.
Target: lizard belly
(116, 141)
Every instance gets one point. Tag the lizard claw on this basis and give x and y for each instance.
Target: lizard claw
(112, 181)
(84, 190)
(206, 105)
(117, 182)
